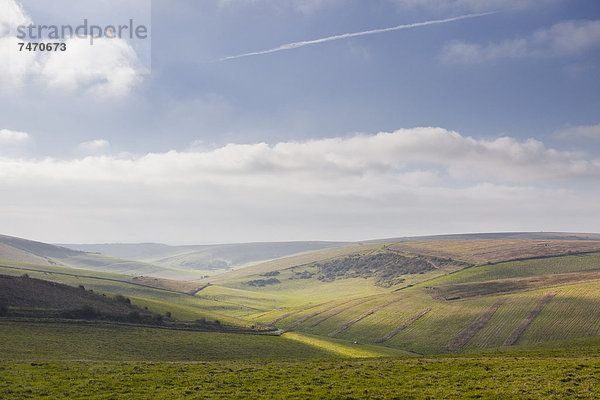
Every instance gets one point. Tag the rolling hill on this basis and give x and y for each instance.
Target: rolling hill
(518, 310)
(438, 296)
(425, 295)
(19, 250)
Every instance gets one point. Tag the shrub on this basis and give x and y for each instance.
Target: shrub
(271, 273)
(85, 312)
(122, 299)
(134, 316)
(3, 310)
(263, 282)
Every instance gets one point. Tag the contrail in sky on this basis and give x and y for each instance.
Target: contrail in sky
(295, 45)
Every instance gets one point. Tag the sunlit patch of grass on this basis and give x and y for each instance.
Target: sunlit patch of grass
(343, 348)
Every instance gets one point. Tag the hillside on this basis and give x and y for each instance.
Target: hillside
(437, 295)
(426, 296)
(35, 298)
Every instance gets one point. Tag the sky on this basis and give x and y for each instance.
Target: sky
(269, 120)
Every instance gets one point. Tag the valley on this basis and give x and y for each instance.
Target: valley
(477, 300)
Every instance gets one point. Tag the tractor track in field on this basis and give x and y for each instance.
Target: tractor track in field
(405, 325)
(467, 334)
(363, 316)
(516, 334)
(341, 310)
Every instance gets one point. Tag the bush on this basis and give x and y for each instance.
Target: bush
(134, 316)
(263, 282)
(85, 312)
(122, 299)
(3, 310)
(272, 273)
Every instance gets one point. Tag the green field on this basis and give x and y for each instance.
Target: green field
(117, 342)
(449, 378)
(516, 329)
(524, 268)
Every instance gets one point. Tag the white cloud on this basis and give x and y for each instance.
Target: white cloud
(109, 68)
(411, 181)
(15, 67)
(580, 132)
(14, 143)
(410, 157)
(11, 17)
(565, 38)
(13, 137)
(94, 147)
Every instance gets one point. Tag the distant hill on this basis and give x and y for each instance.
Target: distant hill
(211, 259)
(24, 251)
(496, 236)
(204, 257)
(17, 249)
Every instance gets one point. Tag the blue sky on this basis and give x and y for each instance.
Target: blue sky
(488, 123)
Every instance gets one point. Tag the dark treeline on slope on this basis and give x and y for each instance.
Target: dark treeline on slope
(35, 299)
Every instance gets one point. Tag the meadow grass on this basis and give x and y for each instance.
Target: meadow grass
(344, 348)
(300, 292)
(113, 342)
(448, 378)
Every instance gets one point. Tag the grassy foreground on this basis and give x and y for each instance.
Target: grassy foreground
(487, 378)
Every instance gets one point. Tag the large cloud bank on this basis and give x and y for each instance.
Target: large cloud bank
(412, 181)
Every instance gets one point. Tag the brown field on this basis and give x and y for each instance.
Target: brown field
(511, 285)
(493, 251)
